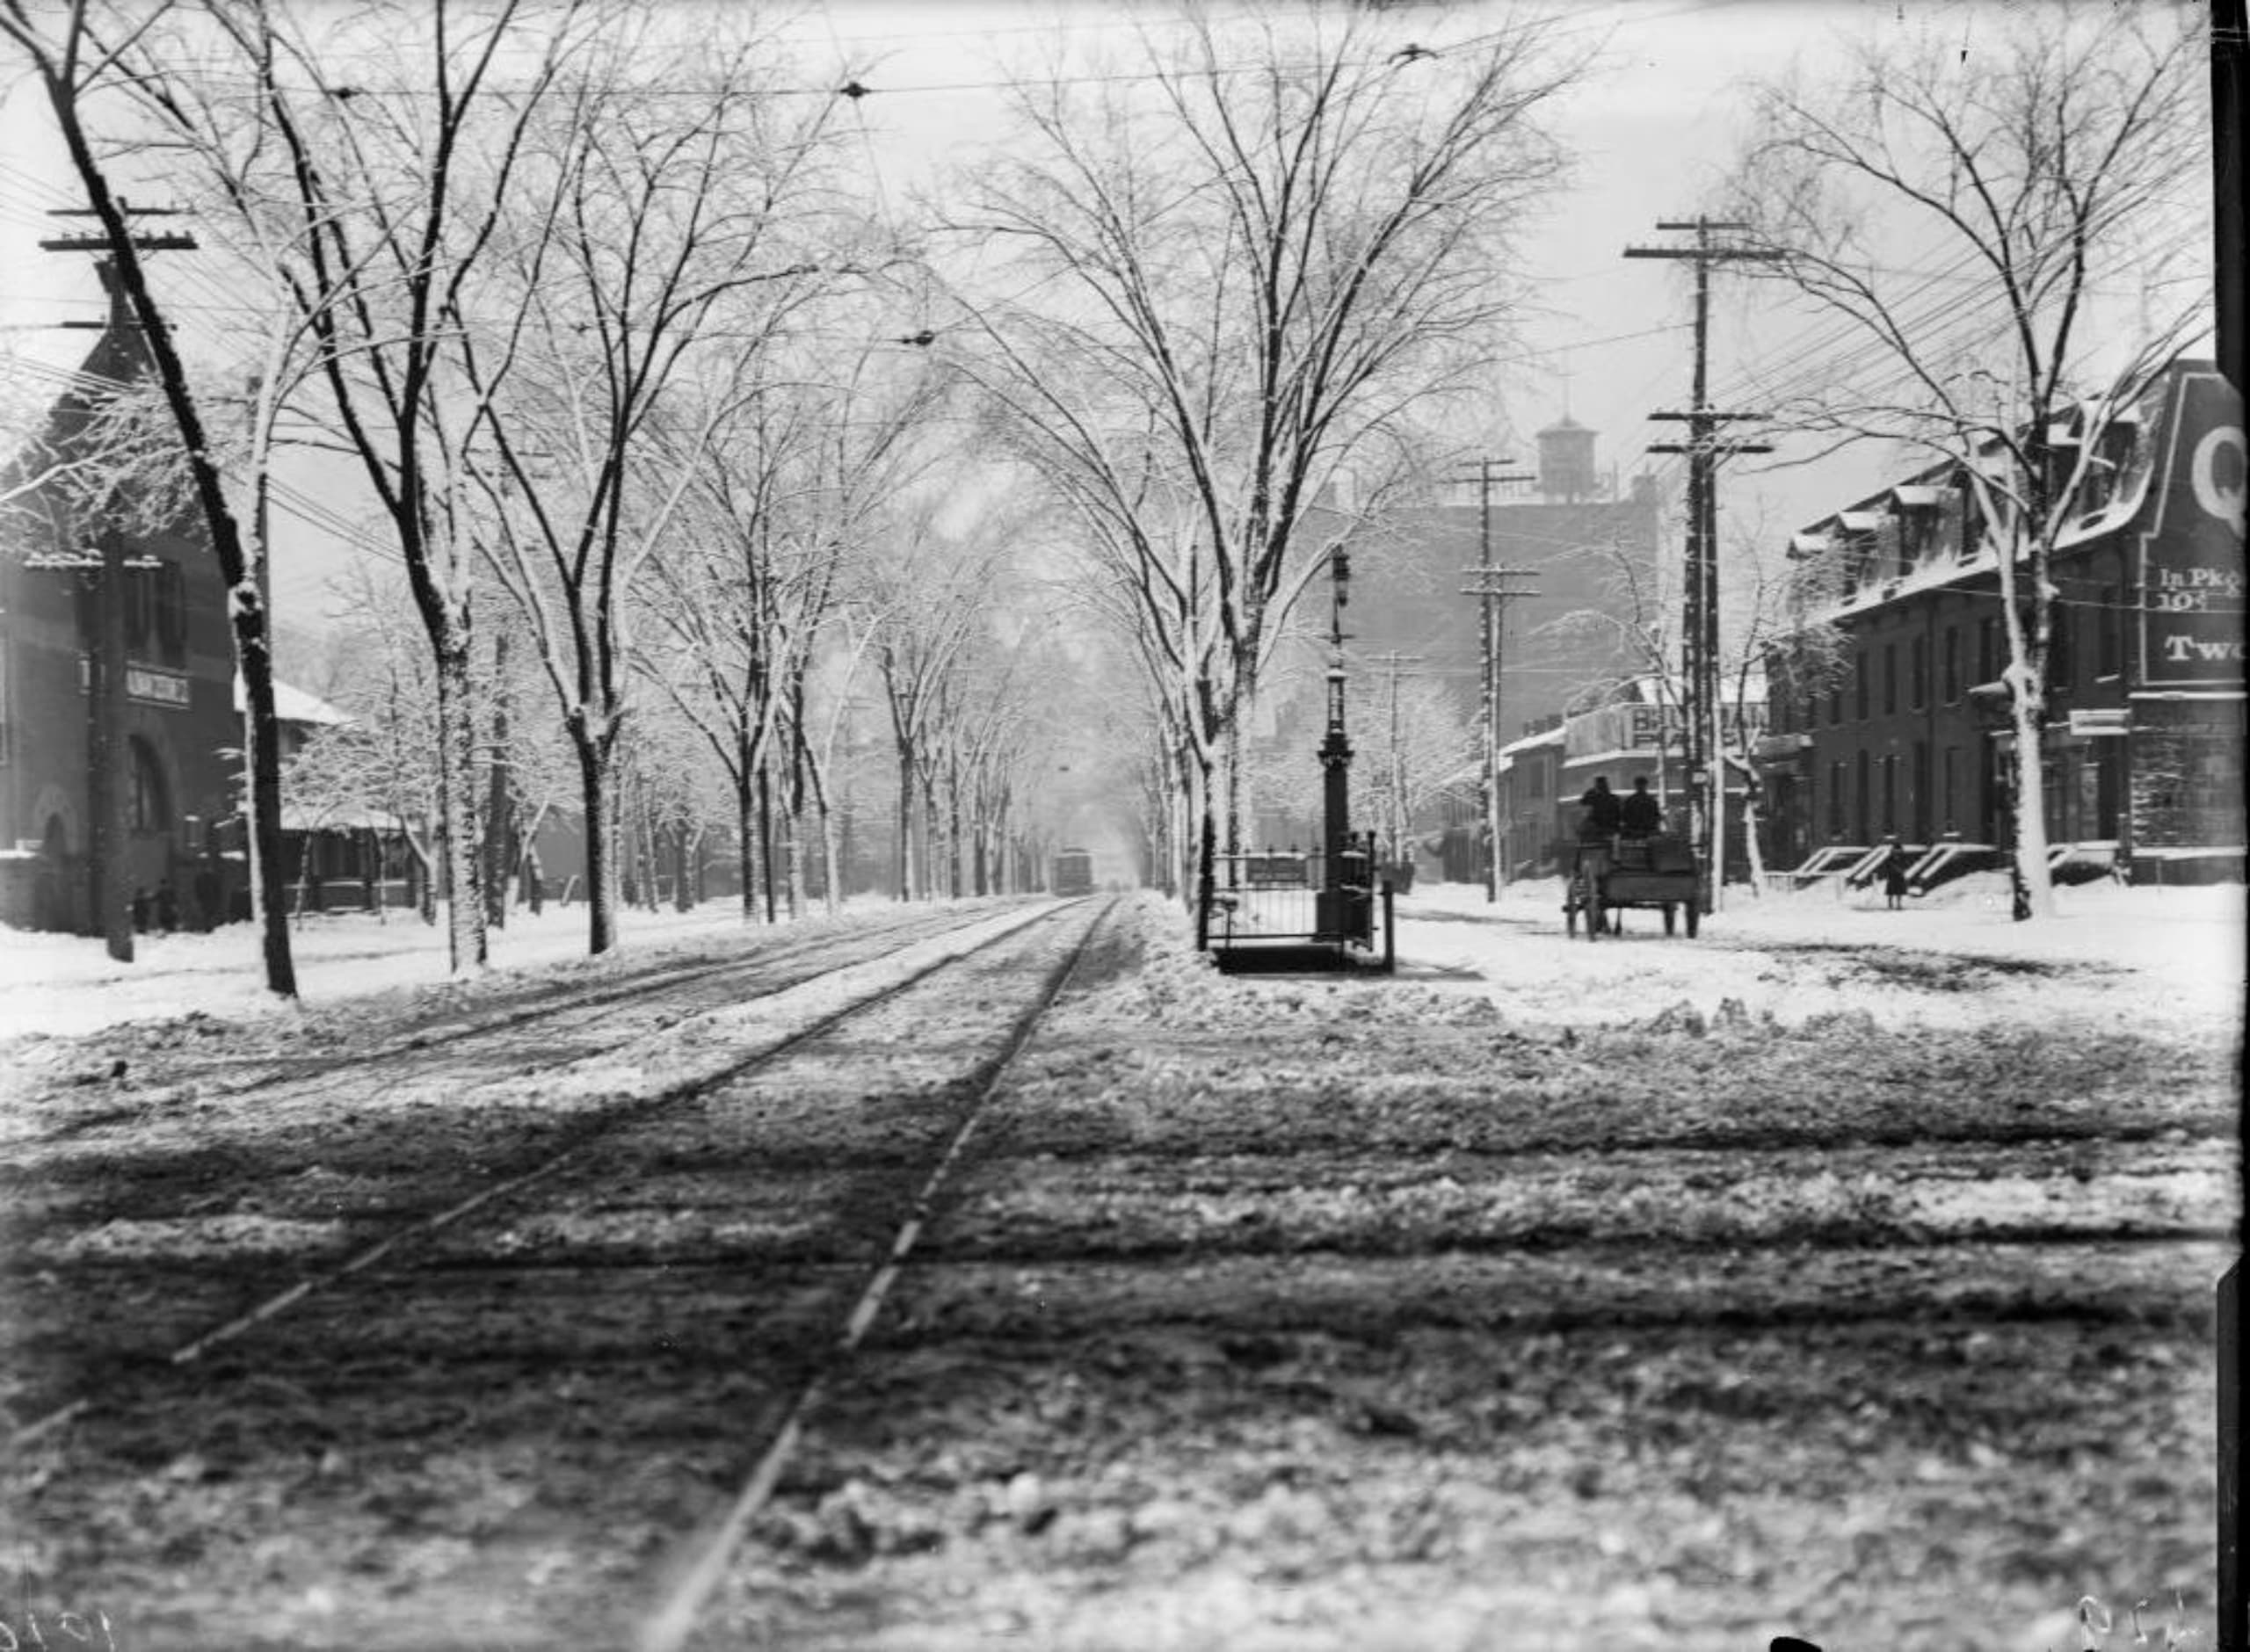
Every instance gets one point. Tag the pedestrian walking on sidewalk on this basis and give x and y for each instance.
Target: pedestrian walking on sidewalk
(1893, 869)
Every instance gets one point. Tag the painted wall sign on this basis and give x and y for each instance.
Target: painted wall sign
(2191, 560)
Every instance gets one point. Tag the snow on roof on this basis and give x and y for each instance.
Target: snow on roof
(1807, 544)
(296, 818)
(1915, 498)
(294, 705)
(1859, 521)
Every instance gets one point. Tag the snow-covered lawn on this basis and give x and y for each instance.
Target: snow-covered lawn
(64, 985)
(2140, 957)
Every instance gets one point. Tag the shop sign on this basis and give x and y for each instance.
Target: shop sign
(143, 682)
(1652, 727)
(2191, 565)
(2100, 720)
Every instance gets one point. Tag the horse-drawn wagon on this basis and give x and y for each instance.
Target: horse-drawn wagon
(1610, 874)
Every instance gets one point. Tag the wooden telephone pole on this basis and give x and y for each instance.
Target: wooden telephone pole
(1702, 709)
(109, 768)
(1494, 588)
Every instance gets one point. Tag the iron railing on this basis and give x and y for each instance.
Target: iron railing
(1279, 905)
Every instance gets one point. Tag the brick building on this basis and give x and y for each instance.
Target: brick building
(2142, 766)
(64, 581)
(1589, 550)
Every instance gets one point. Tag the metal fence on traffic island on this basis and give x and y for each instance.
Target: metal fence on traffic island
(1276, 908)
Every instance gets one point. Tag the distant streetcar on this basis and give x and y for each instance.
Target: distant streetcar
(1073, 872)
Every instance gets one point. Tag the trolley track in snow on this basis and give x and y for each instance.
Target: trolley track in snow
(481, 1192)
(1209, 1303)
(538, 1020)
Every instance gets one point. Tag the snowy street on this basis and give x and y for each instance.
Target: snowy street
(1842, 1272)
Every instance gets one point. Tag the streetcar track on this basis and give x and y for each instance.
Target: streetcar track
(674, 1619)
(424, 1045)
(581, 1136)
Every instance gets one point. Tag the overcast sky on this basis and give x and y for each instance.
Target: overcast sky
(1651, 129)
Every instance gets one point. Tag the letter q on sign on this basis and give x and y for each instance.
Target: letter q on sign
(2218, 480)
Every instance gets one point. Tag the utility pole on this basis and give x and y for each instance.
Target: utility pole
(109, 766)
(1702, 709)
(1492, 588)
(1332, 905)
(1392, 661)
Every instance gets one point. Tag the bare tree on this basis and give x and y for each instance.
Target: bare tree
(1263, 247)
(2037, 175)
(774, 530)
(931, 594)
(683, 235)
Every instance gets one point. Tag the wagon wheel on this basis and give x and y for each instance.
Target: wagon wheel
(1671, 916)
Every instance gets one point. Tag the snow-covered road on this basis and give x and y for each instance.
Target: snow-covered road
(2136, 957)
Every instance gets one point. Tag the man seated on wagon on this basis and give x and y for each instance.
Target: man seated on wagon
(1598, 826)
(1603, 815)
(1640, 815)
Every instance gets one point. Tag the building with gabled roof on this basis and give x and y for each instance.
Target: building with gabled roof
(2144, 743)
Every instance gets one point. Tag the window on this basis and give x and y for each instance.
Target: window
(1918, 674)
(2062, 663)
(86, 598)
(1861, 793)
(1952, 655)
(1891, 794)
(1917, 531)
(1535, 776)
(1859, 686)
(1951, 797)
(1835, 704)
(5, 737)
(151, 801)
(171, 613)
(1835, 799)
(1918, 792)
(1890, 678)
(1988, 649)
(139, 609)
(2109, 634)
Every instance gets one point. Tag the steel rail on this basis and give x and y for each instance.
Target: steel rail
(673, 1621)
(440, 1034)
(589, 1133)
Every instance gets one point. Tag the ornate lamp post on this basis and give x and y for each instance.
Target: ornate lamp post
(1335, 759)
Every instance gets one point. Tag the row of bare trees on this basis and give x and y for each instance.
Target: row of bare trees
(565, 283)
